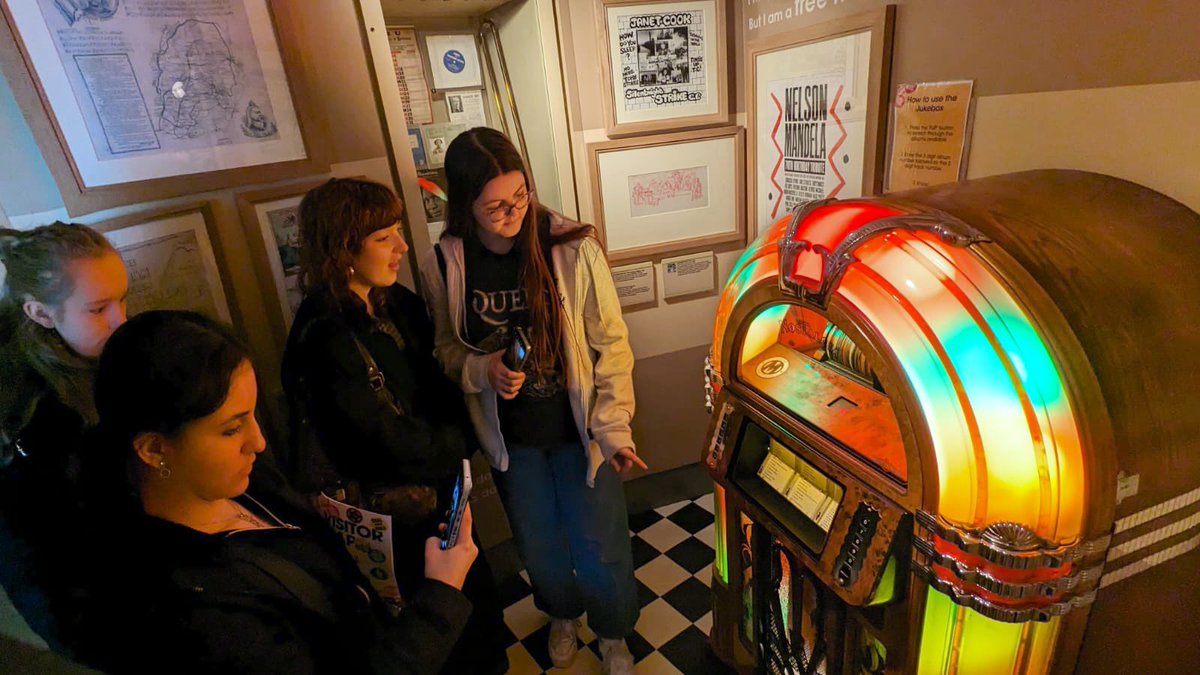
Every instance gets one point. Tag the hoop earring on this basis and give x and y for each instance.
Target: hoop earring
(164, 470)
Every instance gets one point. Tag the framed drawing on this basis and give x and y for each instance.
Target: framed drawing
(269, 218)
(172, 261)
(663, 65)
(815, 113)
(669, 194)
(138, 100)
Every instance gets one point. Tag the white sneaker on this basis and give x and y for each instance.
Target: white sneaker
(563, 645)
(617, 659)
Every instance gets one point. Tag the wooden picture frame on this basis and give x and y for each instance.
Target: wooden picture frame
(669, 194)
(832, 79)
(649, 83)
(137, 140)
(174, 261)
(267, 216)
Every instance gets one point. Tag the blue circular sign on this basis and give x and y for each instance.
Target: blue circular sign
(454, 61)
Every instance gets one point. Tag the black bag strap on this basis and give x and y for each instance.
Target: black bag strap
(299, 583)
(376, 380)
(441, 258)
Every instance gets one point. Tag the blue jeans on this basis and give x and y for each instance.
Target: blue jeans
(574, 540)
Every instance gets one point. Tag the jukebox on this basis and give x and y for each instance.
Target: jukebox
(957, 430)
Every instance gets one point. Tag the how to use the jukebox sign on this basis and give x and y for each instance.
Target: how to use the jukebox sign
(954, 431)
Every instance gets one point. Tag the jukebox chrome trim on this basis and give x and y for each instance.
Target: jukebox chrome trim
(999, 612)
(991, 547)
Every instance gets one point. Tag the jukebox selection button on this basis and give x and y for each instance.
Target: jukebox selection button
(850, 559)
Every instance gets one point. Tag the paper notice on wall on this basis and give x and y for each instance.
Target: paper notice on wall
(368, 538)
(689, 274)
(929, 134)
(410, 76)
(635, 283)
(466, 107)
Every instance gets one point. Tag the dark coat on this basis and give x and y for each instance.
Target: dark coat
(364, 438)
(40, 496)
(178, 600)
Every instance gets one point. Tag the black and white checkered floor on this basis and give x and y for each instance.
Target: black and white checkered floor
(672, 559)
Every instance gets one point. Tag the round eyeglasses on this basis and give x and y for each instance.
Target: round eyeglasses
(505, 210)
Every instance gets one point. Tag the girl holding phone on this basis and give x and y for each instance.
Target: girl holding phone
(557, 430)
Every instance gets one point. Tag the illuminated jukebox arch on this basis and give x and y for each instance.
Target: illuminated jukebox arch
(928, 410)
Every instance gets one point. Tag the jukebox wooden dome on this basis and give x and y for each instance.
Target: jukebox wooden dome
(1011, 364)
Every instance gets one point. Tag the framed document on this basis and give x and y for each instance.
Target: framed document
(171, 256)
(663, 65)
(814, 113)
(270, 219)
(137, 100)
(669, 193)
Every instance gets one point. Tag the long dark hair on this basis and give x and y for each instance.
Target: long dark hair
(334, 220)
(473, 159)
(35, 263)
(159, 371)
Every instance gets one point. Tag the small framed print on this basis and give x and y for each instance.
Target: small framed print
(172, 261)
(270, 219)
(663, 65)
(669, 194)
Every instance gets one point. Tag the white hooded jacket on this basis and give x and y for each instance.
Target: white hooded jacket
(596, 352)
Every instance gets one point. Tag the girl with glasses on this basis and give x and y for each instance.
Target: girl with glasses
(555, 426)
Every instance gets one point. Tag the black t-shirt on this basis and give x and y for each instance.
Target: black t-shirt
(496, 304)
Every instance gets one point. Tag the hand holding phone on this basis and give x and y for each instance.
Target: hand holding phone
(518, 350)
(451, 565)
(458, 506)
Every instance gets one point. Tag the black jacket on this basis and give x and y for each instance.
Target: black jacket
(175, 600)
(40, 497)
(364, 438)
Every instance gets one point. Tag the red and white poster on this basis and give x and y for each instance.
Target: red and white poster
(811, 124)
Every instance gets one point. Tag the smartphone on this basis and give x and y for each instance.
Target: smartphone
(458, 506)
(518, 350)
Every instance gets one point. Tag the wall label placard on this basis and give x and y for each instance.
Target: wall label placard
(635, 283)
(689, 274)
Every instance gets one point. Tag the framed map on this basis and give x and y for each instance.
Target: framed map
(128, 97)
(171, 261)
(669, 194)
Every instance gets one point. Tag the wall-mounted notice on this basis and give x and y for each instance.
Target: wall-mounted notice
(689, 274)
(635, 283)
(410, 75)
(929, 135)
(466, 107)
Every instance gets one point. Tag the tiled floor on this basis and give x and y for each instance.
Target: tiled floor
(672, 559)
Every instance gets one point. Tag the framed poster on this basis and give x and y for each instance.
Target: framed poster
(453, 61)
(663, 65)
(172, 261)
(815, 115)
(270, 220)
(669, 193)
(139, 100)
